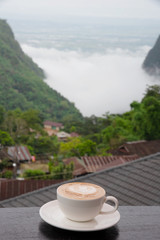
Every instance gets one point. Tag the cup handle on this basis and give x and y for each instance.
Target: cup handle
(113, 199)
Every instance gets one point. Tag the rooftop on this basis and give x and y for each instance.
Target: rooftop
(135, 183)
(54, 124)
(97, 163)
(141, 148)
(20, 152)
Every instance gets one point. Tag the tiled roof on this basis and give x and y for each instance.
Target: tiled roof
(79, 167)
(141, 148)
(134, 183)
(54, 124)
(74, 134)
(96, 163)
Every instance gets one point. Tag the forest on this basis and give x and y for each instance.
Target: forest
(97, 135)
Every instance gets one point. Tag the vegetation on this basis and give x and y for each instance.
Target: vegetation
(22, 85)
(97, 134)
(35, 174)
(4, 172)
(57, 170)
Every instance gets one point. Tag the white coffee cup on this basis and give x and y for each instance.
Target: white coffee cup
(80, 201)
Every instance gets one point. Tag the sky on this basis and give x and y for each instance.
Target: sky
(41, 9)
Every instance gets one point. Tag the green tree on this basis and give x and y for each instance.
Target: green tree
(33, 118)
(152, 118)
(5, 139)
(118, 132)
(15, 125)
(152, 91)
(59, 170)
(2, 113)
(44, 144)
(78, 147)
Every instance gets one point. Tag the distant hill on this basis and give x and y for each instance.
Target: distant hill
(151, 63)
(22, 85)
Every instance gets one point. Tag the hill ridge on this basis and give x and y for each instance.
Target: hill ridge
(151, 63)
(22, 85)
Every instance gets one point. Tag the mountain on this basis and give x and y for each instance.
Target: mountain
(22, 85)
(151, 63)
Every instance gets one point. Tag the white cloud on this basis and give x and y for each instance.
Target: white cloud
(96, 83)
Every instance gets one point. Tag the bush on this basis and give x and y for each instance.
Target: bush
(7, 174)
(36, 174)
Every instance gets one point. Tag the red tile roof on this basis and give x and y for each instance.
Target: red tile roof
(74, 134)
(53, 124)
(97, 163)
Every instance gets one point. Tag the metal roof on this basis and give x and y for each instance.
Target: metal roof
(134, 183)
(21, 153)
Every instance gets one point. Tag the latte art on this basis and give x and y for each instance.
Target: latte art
(81, 191)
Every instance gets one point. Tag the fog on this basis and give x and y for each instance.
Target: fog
(96, 83)
(46, 9)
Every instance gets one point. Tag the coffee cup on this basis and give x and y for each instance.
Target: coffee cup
(81, 201)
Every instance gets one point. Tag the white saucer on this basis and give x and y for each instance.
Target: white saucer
(51, 213)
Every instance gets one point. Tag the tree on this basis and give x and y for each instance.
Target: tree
(69, 148)
(78, 147)
(33, 118)
(44, 144)
(152, 118)
(59, 170)
(15, 125)
(2, 113)
(118, 132)
(152, 91)
(5, 139)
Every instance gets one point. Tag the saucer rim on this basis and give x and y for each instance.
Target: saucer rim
(74, 228)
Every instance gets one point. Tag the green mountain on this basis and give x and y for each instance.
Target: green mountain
(22, 85)
(151, 63)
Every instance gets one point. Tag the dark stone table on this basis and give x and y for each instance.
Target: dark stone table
(136, 223)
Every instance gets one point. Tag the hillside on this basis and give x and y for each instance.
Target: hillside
(22, 85)
(151, 63)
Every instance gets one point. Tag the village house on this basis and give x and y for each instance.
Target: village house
(63, 136)
(52, 127)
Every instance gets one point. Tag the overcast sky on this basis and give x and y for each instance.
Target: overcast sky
(108, 8)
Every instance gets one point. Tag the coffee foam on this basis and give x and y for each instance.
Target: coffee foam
(79, 190)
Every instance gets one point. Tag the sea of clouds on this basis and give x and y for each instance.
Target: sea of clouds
(96, 82)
